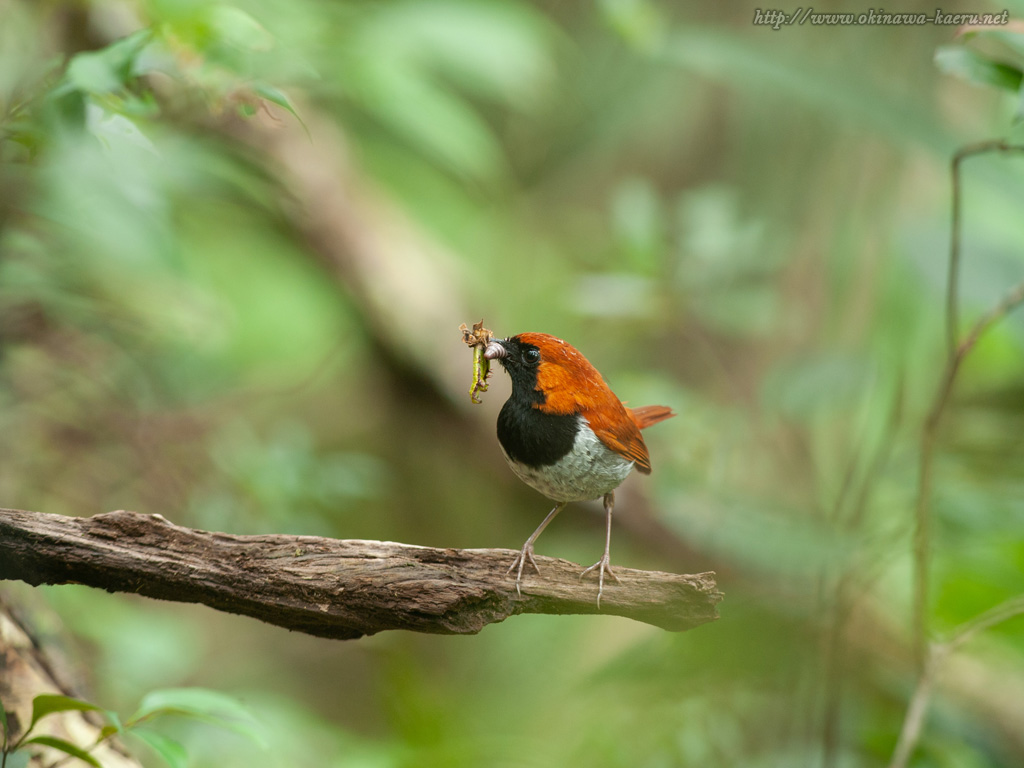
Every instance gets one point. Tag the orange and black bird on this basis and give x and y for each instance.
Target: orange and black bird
(566, 434)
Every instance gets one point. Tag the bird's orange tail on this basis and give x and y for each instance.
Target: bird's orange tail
(650, 414)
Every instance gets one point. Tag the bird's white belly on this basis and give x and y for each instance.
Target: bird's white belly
(588, 471)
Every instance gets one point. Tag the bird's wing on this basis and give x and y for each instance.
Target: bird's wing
(619, 432)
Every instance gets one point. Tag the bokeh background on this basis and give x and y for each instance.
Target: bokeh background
(238, 240)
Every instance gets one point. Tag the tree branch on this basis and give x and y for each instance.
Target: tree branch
(329, 587)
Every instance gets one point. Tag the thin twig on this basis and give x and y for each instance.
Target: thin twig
(956, 351)
(953, 278)
(1010, 301)
(1006, 610)
(938, 652)
(914, 720)
(922, 512)
(930, 658)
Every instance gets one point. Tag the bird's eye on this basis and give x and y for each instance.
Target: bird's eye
(532, 356)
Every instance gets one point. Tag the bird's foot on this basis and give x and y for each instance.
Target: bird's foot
(603, 566)
(525, 555)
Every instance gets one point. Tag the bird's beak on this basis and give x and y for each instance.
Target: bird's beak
(495, 349)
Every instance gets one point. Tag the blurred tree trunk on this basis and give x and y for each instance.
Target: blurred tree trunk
(28, 668)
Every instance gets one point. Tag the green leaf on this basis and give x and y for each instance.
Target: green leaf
(3, 725)
(115, 721)
(172, 752)
(91, 72)
(66, 747)
(107, 731)
(108, 69)
(976, 68)
(1014, 41)
(200, 704)
(48, 703)
(18, 759)
(273, 95)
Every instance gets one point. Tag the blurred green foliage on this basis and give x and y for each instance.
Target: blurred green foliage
(190, 703)
(746, 224)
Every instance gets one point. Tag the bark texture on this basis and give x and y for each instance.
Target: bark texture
(329, 587)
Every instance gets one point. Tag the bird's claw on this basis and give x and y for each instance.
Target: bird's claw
(526, 554)
(603, 566)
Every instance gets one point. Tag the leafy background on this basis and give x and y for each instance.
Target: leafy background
(237, 242)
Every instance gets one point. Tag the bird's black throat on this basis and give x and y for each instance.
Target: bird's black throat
(527, 434)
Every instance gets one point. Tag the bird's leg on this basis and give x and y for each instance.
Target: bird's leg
(604, 565)
(527, 551)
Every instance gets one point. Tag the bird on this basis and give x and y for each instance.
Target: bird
(565, 433)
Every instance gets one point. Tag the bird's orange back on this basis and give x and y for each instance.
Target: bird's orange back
(571, 385)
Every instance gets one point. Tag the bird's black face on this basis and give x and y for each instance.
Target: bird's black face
(519, 354)
(528, 435)
(520, 360)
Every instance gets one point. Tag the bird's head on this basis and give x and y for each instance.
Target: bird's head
(544, 369)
